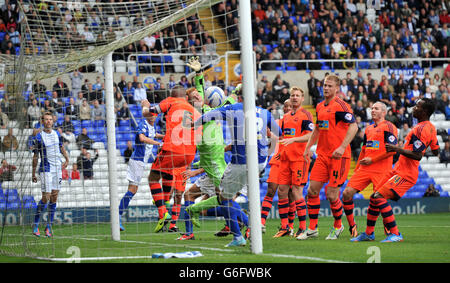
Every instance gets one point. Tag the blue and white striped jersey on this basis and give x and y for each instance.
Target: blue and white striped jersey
(143, 151)
(48, 145)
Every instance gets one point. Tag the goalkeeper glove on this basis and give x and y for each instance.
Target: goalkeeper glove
(237, 90)
(194, 64)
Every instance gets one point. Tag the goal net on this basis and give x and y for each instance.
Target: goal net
(54, 62)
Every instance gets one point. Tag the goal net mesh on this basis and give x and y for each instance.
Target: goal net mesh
(53, 61)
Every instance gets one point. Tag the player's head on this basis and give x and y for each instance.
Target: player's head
(331, 85)
(47, 120)
(378, 111)
(287, 106)
(151, 118)
(178, 91)
(424, 108)
(194, 97)
(296, 96)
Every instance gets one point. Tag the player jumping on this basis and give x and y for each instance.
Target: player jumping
(404, 174)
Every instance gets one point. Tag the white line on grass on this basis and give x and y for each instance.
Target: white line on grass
(181, 246)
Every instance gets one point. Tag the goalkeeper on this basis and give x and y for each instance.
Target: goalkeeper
(211, 149)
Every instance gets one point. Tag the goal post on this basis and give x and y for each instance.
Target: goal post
(251, 147)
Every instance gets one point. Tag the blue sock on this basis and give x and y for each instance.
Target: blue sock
(230, 214)
(241, 216)
(51, 212)
(125, 201)
(40, 207)
(215, 211)
(187, 219)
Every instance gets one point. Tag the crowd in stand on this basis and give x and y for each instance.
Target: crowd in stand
(294, 29)
(186, 36)
(300, 29)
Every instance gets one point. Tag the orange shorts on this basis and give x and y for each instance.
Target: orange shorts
(273, 173)
(394, 186)
(361, 179)
(179, 183)
(167, 161)
(327, 169)
(293, 173)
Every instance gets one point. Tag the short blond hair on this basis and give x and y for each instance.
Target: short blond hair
(294, 88)
(333, 78)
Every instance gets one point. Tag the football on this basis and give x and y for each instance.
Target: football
(214, 96)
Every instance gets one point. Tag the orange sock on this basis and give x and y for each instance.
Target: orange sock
(265, 208)
(283, 210)
(158, 197)
(313, 205)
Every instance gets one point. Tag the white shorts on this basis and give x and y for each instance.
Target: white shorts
(51, 181)
(206, 185)
(135, 171)
(235, 179)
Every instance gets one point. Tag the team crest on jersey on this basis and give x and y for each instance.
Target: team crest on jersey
(417, 144)
(348, 116)
(391, 139)
(323, 124)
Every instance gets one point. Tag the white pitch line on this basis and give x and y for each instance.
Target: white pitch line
(180, 246)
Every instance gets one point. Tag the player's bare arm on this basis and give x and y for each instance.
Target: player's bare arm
(147, 140)
(302, 139)
(159, 136)
(314, 136)
(192, 173)
(35, 162)
(66, 157)
(405, 152)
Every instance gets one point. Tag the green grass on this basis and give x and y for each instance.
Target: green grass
(425, 240)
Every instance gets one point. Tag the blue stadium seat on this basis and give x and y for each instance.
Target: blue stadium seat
(444, 194)
(124, 129)
(76, 123)
(86, 123)
(100, 131)
(12, 205)
(129, 137)
(358, 196)
(99, 123)
(426, 181)
(124, 123)
(94, 136)
(2, 204)
(10, 192)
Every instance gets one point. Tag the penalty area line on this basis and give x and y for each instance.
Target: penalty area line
(79, 259)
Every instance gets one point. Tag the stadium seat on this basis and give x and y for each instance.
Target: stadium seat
(86, 123)
(124, 123)
(99, 123)
(120, 65)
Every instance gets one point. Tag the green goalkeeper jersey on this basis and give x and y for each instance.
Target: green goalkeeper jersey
(212, 147)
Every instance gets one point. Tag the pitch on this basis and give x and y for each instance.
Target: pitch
(426, 241)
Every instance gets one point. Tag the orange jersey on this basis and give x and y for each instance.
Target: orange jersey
(295, 124)
(375, 139)
(180, 136)
(275, 159)
(422, 136)
(333, 120)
